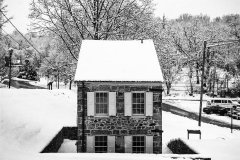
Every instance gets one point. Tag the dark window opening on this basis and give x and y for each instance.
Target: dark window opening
(138, 145)
(101, 144)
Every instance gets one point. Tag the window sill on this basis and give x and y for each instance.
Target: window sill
(138, 116)
(104, 116)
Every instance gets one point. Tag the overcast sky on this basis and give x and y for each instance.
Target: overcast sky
(19, 10)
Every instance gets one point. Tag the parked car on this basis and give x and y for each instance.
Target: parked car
(216, 109)
(223, 102)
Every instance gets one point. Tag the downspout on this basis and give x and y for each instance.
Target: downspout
(158, 90)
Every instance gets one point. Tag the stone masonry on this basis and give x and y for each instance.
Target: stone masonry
(121, 125)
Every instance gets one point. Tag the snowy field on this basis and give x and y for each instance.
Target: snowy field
(31, 118)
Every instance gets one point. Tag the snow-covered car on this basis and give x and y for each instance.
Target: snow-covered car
(223, 102)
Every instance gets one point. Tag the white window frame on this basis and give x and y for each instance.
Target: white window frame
(95, 103)
(135, 114)
(91, 104)
(148, 104)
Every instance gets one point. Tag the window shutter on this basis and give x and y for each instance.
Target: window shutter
(90, 103)
(149, 144)
(111, 144)
(128, 104)
(112, 103)
(90, 144)
(149, 103)
(128, 144)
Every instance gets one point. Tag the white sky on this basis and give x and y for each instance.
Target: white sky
(19, 9)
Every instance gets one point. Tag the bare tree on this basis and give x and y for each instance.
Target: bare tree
(75, 20)
(169, 57)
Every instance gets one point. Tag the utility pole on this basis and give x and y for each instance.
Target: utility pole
(70, 82)
(10, 50)
(58, 79)
(213, 44)
(201, 96)
(214, 80)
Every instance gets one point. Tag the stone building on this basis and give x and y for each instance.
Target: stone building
(119, 97)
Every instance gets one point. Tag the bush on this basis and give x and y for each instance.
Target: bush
(177, 146)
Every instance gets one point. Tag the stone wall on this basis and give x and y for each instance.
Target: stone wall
(121, 125)
(56, 142)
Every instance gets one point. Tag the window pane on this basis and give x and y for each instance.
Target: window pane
(138, 103)
(97, 108)
(97, 95)
(134, 95)
(105, 109)
(142, 111)
(100, 108)
(105, 99)
(138, 95)
(101, 144)
(138, 144)
(101, 103)
(217, 101)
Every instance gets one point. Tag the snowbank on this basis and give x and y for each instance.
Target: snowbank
(216, 148)
(31, 118)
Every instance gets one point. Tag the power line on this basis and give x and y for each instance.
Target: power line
(25, 37)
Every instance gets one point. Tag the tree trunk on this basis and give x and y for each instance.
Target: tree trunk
(191, 87)
(70, 84)
(197, 73)
(190, 80)
(168, 85)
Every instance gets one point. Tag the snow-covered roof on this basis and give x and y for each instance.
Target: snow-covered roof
(104, 60)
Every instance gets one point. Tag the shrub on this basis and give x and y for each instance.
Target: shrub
(177, 146)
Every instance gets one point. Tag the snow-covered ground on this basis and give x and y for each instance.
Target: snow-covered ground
(31, 118)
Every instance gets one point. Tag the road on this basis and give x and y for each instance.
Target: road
(194, 116)
(22, 84)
